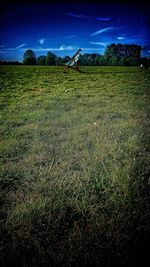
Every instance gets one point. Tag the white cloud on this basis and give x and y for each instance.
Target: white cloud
(61, 48)
(98, 43)
(71, 36)
(38, 49)
(120, 38)
(86, 17)
(90, 48)
(20, 46)
(66, 47)
(77, 15)
(103, 19)
(101, 31)
(15, 48)
(10, 49)
(41, 41)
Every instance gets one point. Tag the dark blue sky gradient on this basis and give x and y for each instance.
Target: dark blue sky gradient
(62, 28)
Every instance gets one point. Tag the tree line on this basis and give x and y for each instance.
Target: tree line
(114, 55)
(10, 62)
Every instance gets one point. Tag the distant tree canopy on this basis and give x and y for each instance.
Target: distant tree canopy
(50, 59)
(123, 50)
(115, 55)
(123, 54)
(41, 60)
(29, 58)
(10, 63)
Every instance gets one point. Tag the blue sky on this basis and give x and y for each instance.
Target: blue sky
(62, 28)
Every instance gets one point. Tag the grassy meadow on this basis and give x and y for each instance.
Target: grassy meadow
(75, 178)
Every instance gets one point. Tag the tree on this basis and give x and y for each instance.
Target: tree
(102, 60)
(114, 61)
(58, 61)
(29, 58)
(96, 60)
(84, 59)
(41, 60)
(133, 61)
(65, 59)
(10, 63)
(123, 50)
(123, 54)
(50, 59)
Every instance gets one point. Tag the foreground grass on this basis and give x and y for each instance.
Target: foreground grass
(75, 166)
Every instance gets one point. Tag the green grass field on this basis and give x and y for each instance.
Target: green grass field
(75, 173)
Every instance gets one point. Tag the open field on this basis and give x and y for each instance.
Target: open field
(75, 175)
